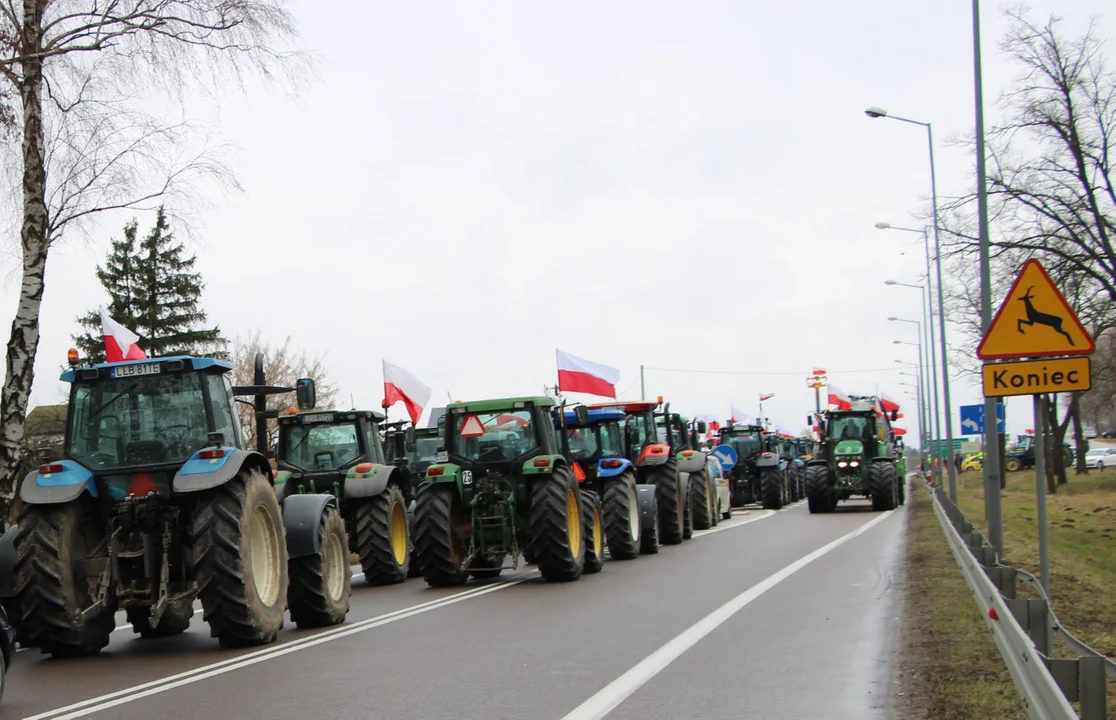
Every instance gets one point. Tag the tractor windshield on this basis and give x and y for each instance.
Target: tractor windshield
(584, 443)
(426, 449)
(493, 437)
(852, 427)
(322, 446)
(145, 420)
(745, 445)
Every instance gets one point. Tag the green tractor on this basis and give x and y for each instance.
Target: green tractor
(504, 486)
(156, 502)
(757, 476)
(411, 449)
(340, 452)
(856, 457)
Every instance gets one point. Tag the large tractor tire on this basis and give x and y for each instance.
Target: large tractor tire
(592, 515)
(415, 569)
(383, 540)
(702, 501)
(322, 584)
(794, 494)
(881, 485)
(174, 621)
(688, 510)
(649, 531)
(668, 494)
(902, 486)
(771, 488)
(441, 550)
(557, 532)
(1013, 464)
(240, 560)
(819, 495)
(52, 544)
(621, 516)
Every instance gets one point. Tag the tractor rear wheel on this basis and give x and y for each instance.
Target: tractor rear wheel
(441, 548)
(621, 514)
(688, 510)
(174, 621)
(902, 486)
(415, 570)
(881, 485)
(383, 537)
(593, 521)
(56, 583)
(1013, 464)
(557, 532)
(321, 584)
(702, 501)
(668, 495)
(819, 495)
(240, 560)
(771, 488)
(649, 533)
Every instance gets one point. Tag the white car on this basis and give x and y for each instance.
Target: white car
(1099, 457)
(721, 483)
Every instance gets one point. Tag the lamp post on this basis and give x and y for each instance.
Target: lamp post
(923, 417)
(923, 370)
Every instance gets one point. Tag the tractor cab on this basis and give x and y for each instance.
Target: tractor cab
(318, 445)
(746, 440)
(597, 441)
(411, 447)
(498, 437)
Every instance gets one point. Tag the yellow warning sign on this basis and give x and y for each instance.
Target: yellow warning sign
(1032, 377)
(1034, 321)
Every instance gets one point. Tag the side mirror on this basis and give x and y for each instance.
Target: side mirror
(809, 419)
(894, 415)
(701, 427)
(409, 436)
(304, 391)
(582, 414)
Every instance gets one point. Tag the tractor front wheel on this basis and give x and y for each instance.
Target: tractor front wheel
(1013, 465)
(321, 584)
(621, 513)
(383, 540)
(240, 560)
(441, 547)
(649, 532)
(881, 485)
(58, 548)
(771, 488)
(593, 521)
(703, 509)
(819, 495)
(557, 532)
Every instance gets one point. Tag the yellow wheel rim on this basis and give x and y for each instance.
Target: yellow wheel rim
(598, 539)
(573, 522)
(399, 533)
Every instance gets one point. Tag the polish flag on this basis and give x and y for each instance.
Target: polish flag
(887, 403)
(402, 386)
(583, 376)
(768, 396)
(839, 398)
(819, 371)
(899, 431)
(120, 342)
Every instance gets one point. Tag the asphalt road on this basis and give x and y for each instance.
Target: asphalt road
(769, 615)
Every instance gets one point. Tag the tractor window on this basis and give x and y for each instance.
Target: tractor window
(221, 401)
(322, 446)
(583, 442)
(745, 445)
(507, 435)
(851, 428)
(146, 420)
(426, 448)
(611, 439)
(639, 432)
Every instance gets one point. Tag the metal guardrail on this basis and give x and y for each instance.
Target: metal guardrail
(1023, 628)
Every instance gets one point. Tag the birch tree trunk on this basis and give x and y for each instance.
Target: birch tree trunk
(34, 241)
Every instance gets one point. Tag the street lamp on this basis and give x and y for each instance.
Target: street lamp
(923, 405)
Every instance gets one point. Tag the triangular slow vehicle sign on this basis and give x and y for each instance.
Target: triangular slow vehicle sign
(472, 427)
(1034, 321)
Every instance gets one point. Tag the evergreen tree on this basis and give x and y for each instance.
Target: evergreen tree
(155, 293)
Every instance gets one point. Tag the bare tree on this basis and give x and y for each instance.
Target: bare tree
(86, 147)
(282, 366)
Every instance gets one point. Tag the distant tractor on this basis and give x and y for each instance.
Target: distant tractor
(156, 502)
(856, 457)
(757, 476)
(339, 452)
(503, 486)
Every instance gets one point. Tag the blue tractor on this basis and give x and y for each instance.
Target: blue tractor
(598, 450)
(157, 502)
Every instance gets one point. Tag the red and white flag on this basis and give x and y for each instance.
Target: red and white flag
(402, 386)
(737, 414)
(887, 403)
(819, 371)
(120, 342)
(766, 396)
(838, 397)
(578, 375)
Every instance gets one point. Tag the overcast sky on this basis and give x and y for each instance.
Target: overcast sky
(689, 185)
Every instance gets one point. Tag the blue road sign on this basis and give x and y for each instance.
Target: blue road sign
(972, 419)
(726, 455)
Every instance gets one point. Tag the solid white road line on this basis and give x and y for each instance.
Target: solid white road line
(85, 708)
(602, 703)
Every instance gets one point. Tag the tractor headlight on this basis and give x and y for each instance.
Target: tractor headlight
(854, 463)
(842, 464)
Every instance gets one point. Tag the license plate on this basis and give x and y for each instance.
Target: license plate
(319, 418)
(441, 457)
(126, 371)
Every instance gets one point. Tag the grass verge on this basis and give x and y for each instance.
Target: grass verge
(949, 667)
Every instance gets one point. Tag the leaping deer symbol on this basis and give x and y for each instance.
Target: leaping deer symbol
(1034, 317)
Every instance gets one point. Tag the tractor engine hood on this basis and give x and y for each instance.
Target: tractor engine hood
(846, 448)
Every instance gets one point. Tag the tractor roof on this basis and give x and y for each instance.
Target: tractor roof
(499, 404)
(628, 406)
(595, 416)
(309, 417)
(426, 432)
(681, 418)
(196, 364)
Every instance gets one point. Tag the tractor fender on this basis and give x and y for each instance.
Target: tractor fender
(611, 472)
(302, 516)
(371, 484)
(648, 509)
(653, 455)
(767, 460)
(202, 474)
(7, 564)
(692, 463)
(59, 487)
